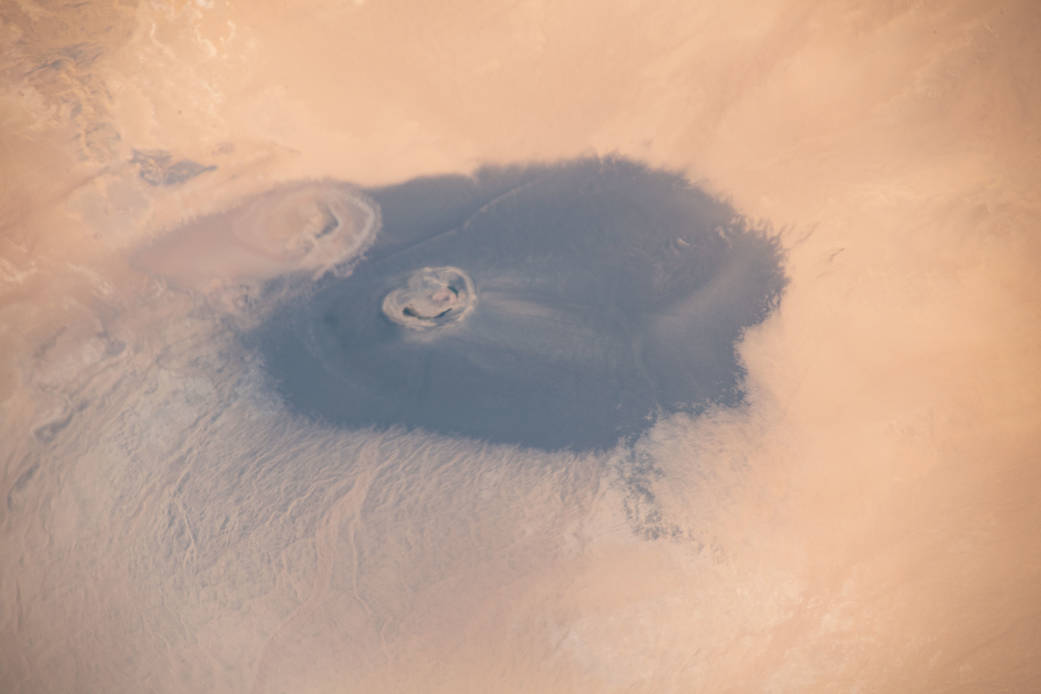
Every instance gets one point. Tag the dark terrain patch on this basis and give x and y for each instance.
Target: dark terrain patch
(608, 294)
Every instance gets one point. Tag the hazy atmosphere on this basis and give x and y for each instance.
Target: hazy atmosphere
(385, 346)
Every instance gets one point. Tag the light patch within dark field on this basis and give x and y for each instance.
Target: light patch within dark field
(607, 294)
(431, 298)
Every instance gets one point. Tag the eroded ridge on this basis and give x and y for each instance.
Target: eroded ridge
(432, 297)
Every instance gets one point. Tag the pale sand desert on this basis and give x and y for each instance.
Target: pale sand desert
(868, 522)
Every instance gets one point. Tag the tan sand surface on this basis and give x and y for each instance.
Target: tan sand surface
(869, 522)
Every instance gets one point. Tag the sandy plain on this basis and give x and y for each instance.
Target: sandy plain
(868, 522)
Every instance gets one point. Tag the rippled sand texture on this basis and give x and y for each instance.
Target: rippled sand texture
(866, 520)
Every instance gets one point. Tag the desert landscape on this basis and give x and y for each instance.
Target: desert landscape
(857, 511)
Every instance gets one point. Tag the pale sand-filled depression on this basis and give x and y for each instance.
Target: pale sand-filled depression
(431, 297)
(308, 227)
(863, 518)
